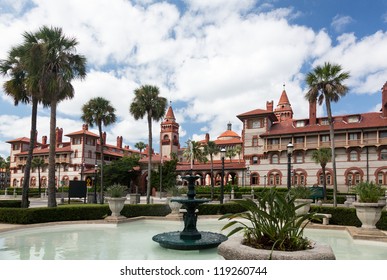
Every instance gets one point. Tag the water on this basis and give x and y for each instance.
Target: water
(133, 241)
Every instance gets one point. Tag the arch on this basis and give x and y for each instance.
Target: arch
(254, 178)
(274, 177)
(33, 181)
(300, 177)
(353, 176)
(381, 175)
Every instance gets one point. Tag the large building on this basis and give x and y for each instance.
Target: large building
(76, 158)
(261, 160)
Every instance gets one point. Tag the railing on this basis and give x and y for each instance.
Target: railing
(320, 144)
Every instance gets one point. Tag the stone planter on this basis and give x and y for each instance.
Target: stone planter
(175, 206)
(116, 204)
(368, 213)
(233, 249)
(306, 205)
(134, 198)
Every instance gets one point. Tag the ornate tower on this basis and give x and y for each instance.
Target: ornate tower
(284, 110)
(169, 134)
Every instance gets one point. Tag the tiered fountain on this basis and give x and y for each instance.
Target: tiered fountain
(190, 238)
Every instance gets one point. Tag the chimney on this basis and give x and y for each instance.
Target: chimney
(58, 135)
(384, 100)
(312, 113)
(207, 137)
(85, 127)
(44, 140)
(104, 138)
(269, 105)
(119, 142)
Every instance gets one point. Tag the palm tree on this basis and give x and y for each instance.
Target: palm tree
(98, 111)
(140, 146)
(194, 152)
(211, 149)
(230, 153)
(23, 65)
(60, 65)
(147, 102)
(323, 156)
(326, 84)
(38, 162)
(238, 151)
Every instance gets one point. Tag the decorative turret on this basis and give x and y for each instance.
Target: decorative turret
(169, 134)
(284, 109)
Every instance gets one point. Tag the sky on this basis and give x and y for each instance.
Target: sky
(212, 60)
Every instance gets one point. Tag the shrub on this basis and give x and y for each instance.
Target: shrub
(368, 192)
(116, 190)
(272, 222)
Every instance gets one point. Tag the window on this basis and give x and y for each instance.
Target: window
(324, 122)
(274, 159)
(254, 179)
(383, 134)
(324, 138)
(273, 141)
(354, 178)
(76, 140)
(299, 140)
(383, 154)
(353, 155)
(300, 123)
(15, 147)
(353, 119)
(255, 159)
(353, 136)
(255, 141)
(256, 123)
(380, 178)
(89, 154)
(299, 157)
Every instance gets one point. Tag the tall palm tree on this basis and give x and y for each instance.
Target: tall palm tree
(98, 111)
(194, 152)
(23, 67)
(323, 156)
(326, 84)
(238, 151)
(230, 153)
(38, 162)
(211, 149)
(61, 64)
(140, 145)
(147, 102)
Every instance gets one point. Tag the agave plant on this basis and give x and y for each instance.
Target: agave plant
(368, 192)
(271, 223)
(116, 190)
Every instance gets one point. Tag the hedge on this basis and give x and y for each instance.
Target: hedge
(76, 213)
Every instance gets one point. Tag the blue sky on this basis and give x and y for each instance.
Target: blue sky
(212, 59)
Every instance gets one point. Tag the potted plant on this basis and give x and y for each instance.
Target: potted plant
(173, 192)
(116, 197)
(369, 205)
(302, 198)
(271, 230)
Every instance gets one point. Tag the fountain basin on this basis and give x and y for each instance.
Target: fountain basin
(173, 240)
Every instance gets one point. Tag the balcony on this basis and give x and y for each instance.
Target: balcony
(339, 143)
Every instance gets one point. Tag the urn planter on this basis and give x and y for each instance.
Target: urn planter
(116, 204)
(233, 249)
(368, 213)
(305, 202)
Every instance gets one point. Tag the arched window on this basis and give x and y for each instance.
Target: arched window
(383, 154)
(255, 160)
(274, 159)
(90, 154)
(76, 154)
(353, 177)
(353, 155)
(254, 179)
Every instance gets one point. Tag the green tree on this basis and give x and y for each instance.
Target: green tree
(238, 151)
(168, 176)
(147, 102)
(211, 149)
(326, 84)
(230, 153)
(194, 152)
(60, 64)
(140, 146)
(98, 111)
(323, 156)
(23, 66)
(121, 171)
(38, 162)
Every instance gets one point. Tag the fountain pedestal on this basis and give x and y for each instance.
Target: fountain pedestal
(190, 238)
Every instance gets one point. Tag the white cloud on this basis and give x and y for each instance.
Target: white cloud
(340, 22)
(216, 60)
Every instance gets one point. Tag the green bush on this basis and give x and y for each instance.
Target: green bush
(10, 203)
(220, 209)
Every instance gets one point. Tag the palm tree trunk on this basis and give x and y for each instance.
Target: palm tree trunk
(332, 136)
(324, 183)
(148, 187)
(102, 143)
(39, 186)
(212, 177)
(27, 170)
(51, 156)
